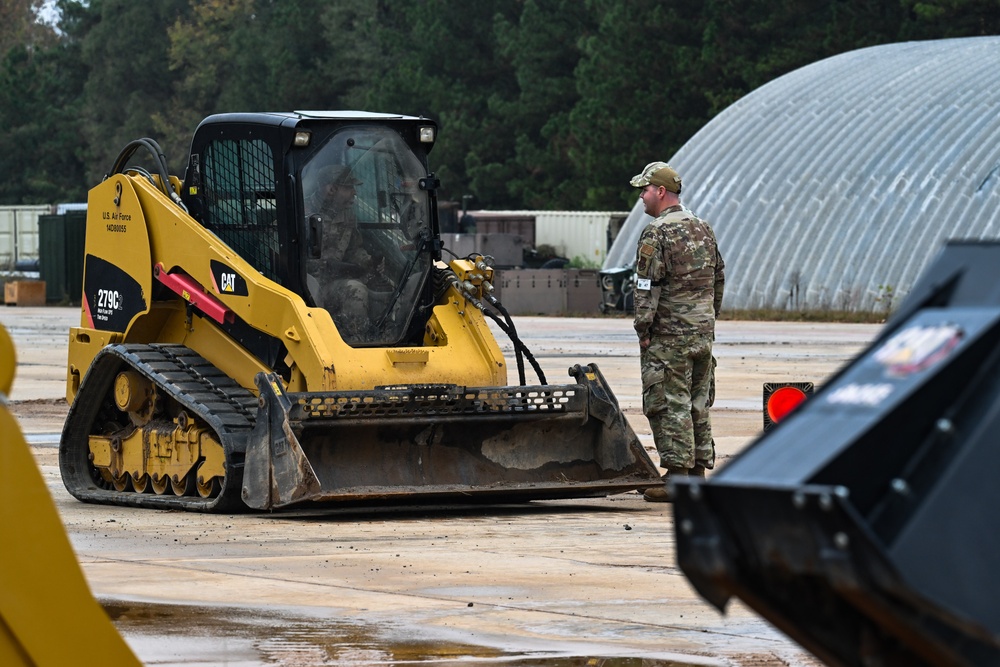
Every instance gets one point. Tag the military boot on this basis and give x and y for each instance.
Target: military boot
(659, 494)
(697, 471)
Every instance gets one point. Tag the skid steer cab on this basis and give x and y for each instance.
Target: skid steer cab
(865, 524)
(280, 325)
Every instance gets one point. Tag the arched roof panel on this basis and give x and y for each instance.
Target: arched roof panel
(835, 184)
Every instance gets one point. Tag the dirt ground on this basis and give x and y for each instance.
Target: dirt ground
(553, 583)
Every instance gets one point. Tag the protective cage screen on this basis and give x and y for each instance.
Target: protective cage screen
(240, 205)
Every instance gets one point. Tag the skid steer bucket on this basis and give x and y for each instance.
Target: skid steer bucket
(865, 524)
(443, 443)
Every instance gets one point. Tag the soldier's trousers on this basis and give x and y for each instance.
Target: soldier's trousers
(678, 387)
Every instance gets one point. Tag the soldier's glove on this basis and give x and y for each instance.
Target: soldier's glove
(346, 270)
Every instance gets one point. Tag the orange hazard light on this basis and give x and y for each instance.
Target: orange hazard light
(780, 398)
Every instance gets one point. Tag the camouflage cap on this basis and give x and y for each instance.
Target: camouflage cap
(658, 173)
(339, 174)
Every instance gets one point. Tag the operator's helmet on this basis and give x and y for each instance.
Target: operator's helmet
(337, 174)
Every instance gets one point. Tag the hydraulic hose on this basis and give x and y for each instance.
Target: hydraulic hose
(519, 345)
(520, 349)
(159, 159)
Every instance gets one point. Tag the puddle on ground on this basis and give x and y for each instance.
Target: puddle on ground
(166, 635)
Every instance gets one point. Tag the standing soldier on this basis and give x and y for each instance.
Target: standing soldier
(679, 279)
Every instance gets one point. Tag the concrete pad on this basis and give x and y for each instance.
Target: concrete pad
(594, 578)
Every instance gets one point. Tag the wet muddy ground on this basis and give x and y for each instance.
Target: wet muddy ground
(250, 637)
(580, 582)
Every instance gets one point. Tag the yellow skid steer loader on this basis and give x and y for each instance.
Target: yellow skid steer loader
(279, 327)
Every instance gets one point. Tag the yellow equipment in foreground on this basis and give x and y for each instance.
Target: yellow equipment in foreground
(47, 614)
(280, 327)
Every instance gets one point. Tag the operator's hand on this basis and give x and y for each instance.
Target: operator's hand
(644, 343)
(346, 269)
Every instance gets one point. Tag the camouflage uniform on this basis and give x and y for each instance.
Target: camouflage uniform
(679, 284)
(342, 241)
(344, 296)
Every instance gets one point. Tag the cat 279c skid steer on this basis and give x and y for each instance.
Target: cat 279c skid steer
(279, 327)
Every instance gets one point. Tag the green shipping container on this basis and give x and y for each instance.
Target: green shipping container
(61, 242)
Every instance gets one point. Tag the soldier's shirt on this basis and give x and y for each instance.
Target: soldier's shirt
(680, 276)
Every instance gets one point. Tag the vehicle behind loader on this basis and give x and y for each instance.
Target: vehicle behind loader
(251, 338)
(865, 524)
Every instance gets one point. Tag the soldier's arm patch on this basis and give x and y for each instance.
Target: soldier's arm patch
(646, 251)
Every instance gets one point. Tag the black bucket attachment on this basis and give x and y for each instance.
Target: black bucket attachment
(866, 525)
(443, 443)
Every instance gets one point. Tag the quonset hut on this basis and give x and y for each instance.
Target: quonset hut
(833, 186)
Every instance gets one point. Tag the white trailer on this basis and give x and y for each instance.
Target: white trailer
(572, 234)
(19, 236)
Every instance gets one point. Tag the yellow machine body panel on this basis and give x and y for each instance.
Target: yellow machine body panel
(47, 613)
(144, 225)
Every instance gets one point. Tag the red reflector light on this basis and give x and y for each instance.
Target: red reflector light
(781, 398)
(782, 402)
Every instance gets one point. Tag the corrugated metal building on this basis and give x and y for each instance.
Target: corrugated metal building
(834, 185)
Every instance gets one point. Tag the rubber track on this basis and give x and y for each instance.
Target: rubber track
(185, 377)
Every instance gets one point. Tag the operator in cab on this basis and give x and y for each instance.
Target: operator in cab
(343, 259)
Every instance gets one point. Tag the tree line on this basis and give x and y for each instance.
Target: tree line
(542, 104)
